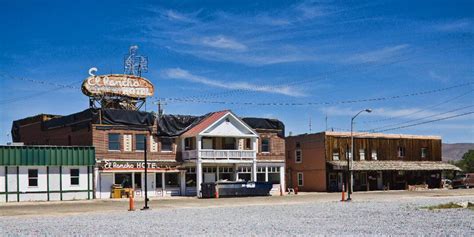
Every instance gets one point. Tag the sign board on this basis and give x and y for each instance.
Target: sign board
(131, 165)
(117, 85)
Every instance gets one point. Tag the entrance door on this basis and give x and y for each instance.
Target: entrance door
(138, 181)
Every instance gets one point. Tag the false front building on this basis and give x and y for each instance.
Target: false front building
(182, 151)
(318, 162)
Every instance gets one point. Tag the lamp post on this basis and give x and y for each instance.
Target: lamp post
(351, 156)
(146, 174)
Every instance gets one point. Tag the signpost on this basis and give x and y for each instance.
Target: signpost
(146, 177)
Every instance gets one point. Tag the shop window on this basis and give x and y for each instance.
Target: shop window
(298, 156)
(335, 154)
(166, 144)
(274, 178)
(300, 179)
(114, 142)
(140, 142)
(159, 180)
(172, 179)
(424, 152)
(124, 179)
(74, 173)
(265, 145)
(32, 178)
(362, 154)
(401, 152)
(138, 180)
(261, 177)
(374, 154)
(245, 176)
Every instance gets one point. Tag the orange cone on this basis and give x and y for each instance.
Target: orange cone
(281, 191)
(343, 194)
(131, 204)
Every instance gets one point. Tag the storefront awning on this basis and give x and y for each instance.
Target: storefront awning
(393, 165)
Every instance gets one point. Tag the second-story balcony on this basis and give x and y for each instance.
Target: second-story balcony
(210, 154)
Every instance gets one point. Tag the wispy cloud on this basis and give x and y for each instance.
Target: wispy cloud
(377, 55)
(181, 74)
(438, 77)
(223, 42)
(458, 25)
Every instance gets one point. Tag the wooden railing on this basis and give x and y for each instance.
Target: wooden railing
(219, 154)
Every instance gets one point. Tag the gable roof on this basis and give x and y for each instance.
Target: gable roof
(205, 123)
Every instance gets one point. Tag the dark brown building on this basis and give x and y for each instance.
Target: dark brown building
(318, 162)
(183, 151)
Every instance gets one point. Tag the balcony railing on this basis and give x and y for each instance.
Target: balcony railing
(219, 154)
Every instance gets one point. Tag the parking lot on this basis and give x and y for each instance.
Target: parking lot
(393, 212)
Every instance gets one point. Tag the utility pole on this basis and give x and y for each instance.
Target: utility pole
(146, 176)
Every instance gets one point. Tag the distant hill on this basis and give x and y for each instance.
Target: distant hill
(455, 151)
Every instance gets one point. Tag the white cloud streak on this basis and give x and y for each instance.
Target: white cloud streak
(181, 74)
(377, 55)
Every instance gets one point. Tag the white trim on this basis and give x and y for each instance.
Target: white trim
(298, 179)
(254, 134)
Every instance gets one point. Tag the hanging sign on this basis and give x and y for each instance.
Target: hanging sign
(117, 85)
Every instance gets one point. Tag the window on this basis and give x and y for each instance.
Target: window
(124, 179)
(265, 145)
(248, 144)
(374, 154)
(298, 156)
(401, 151)
(300, 179)
(166, 144)
(188, 143)
(335, 154)
(362, 154)
(32, 178)
(298, 145)
(229, 143)
(190, 177)
(114, 142)
(348, 154)
(171, 179)
(140, 142)
(424, 152)
(74, 173)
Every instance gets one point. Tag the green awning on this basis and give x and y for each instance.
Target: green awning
(47, 155)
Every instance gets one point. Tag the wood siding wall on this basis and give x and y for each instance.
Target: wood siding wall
(387, 148)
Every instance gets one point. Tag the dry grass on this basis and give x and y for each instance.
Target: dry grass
(450, 205)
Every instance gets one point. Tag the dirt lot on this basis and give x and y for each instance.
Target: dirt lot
(77, 207)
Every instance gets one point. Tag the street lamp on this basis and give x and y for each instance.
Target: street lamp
(351, 156)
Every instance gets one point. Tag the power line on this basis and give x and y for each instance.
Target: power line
(319, 103)
(419, 111)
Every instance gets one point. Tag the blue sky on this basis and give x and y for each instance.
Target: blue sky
(248, 51)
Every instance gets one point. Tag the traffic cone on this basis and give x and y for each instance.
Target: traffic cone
(131, 204)
(281, 191)
(296, 190)
(343, 194)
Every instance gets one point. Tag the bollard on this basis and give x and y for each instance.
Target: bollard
(131, 204)
(296, 190)
(281, 191)
(343, 194)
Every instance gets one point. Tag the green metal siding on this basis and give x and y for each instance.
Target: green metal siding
(46, 156)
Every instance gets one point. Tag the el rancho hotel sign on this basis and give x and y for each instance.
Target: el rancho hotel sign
(117, 85)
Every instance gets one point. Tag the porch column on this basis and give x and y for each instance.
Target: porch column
(198, 177)
(236, 172)
(198, 166)
(163, 183)
(254, 170)
(282, 178)
(182, 183)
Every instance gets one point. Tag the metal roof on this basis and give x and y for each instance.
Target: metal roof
(393, 165)
(47, 155)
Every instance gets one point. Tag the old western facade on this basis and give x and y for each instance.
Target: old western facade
(183, 151)
(318, 162)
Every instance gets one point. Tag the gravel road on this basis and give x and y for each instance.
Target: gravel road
(388, 217)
